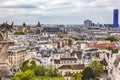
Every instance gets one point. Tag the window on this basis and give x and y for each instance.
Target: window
(67, 61)
(74, 61)
(69, 72)
(61, 72)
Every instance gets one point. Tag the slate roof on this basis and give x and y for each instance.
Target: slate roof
(50, 29)
(73, 67)
(79, 54)
(68, 59)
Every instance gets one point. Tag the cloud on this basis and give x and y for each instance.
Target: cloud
(73, 10)
(20, 6)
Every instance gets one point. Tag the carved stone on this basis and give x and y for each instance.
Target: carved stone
(4, 45)
(4, 28)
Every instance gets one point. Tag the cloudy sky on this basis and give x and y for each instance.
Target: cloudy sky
(57, 11)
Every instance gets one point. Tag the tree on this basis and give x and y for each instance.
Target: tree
(19, 33)
(15, 78)
(77, 76)
(25, 66)
(52, 72)
(111, 38)
(28, 65)
(55, 73)
(114, 50)
(24, 24)
(88, 73)
(49, 78)
(93, 28)
(40, 71)
(77, 38)
(27, 75)
(97, 68)
(32, 65)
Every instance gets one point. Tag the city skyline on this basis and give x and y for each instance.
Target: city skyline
(57, 11)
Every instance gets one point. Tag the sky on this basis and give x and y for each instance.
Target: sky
(57, 11)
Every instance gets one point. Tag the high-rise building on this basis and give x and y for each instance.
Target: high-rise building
(87, 23)
(115, 18)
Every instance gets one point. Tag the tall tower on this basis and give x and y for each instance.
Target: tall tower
(87, 23)
(38, 25)
(115, 18)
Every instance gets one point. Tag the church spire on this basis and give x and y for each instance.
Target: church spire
(38, 25)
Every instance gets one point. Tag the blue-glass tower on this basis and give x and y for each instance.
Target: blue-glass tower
(115, 18)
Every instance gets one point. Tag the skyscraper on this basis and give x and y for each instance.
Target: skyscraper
(115, 18)
(87, 23)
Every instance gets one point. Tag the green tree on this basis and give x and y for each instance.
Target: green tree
(32, 65)
(15, 78)
(77, 76)
(88, 73)
(93, 28)
(49, 78)
(27, 75)
(30, 71)
(24, 24)
(97, 68)
(77, 38)
(114, 50)
(55, 73)
(111, 38)
(52, 72)
(28, 65)
(40, 70)
(25, 66)
(19, 33)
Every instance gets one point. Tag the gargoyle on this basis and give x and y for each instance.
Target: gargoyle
(4, 28)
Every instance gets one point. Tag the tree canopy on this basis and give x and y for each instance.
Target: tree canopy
(52, 72)
(111, 38)
(77, 76)
(31, 71)
(28, 65)
(97, 68)
(114, 50)
(88, 73)
(39, 70)
(19, 33)
(27, 75)
(24, 24)
(77, 38)
(93, 28)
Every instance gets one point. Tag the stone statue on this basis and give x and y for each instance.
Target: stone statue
(4, 45)
(4, 28)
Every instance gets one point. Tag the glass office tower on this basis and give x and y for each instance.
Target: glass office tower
(115, 18)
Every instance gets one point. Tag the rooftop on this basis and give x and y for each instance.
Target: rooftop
(70, 58)
(73, 67)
